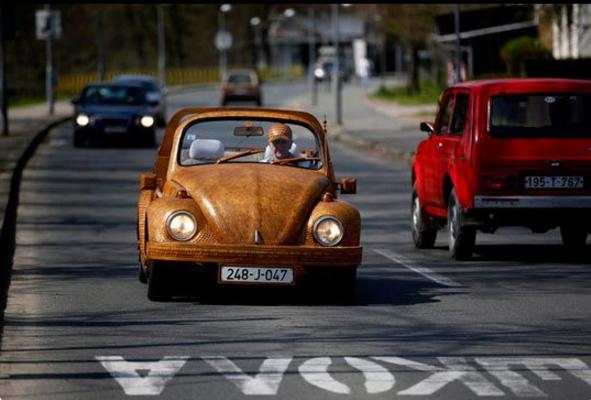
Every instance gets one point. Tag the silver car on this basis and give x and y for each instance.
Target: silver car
(155, 94)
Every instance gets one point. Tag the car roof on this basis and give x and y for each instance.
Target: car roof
(146, 78)
(520, 84)
(116, 84)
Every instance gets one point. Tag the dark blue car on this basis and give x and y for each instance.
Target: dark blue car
(114, 111)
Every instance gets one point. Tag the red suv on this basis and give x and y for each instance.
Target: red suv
(501, 153)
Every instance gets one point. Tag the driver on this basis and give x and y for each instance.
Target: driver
(281, 144)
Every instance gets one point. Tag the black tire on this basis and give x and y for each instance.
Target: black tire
(574, 237)
(141, 273)
(346, 283)
(158, 282)
(461, 238)
(259, 102)
(423, 231)
(150, 140)
(224, 102)
(79, 141)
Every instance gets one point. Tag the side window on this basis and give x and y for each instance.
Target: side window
(445, 114)
(458, 121)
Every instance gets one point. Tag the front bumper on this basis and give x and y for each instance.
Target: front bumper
(256, 255)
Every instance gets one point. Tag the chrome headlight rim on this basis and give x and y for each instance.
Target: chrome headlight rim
(174, 214)
(144, 121)
(82, 120)
(322, 219)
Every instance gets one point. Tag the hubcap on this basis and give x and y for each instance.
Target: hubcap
(416, 214)
(453, 214)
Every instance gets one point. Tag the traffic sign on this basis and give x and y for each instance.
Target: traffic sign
(48, 24)
(223, 40)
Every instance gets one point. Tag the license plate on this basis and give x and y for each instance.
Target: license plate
(554, 182)
(115, 129)
(256, 274)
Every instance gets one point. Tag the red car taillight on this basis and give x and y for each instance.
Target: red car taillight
(498, 181)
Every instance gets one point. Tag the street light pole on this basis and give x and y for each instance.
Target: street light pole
(161, 47)
(458, 76)
(49, 63)
(224, 8)
(100, 48)
(336, 81)
(312, 55)
(3, 90)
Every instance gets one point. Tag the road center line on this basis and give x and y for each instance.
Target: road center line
(419, 269)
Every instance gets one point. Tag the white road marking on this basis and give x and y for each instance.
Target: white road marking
(500, 367)
(419, 269)
(126, 373)
(456, 369)
(377, 378)
(266, 382)
(315, 372)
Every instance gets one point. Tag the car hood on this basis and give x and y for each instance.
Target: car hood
(239, 199)
(121, 110)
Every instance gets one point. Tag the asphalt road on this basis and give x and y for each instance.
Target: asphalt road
(513, 322)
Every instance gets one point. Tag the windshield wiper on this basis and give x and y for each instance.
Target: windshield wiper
(238, 155)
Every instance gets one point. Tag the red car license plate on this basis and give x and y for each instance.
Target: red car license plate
(554, 182)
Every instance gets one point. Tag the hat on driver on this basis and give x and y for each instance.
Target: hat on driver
(279, 131)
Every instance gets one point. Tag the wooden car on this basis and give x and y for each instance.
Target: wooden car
(245, 196)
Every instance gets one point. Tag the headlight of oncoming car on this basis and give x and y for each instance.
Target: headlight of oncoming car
(82, 120)
(147, 121)
(181, 225)
(328, 231)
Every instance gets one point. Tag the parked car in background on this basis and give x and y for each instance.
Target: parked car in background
(505, 152)
(241, 85)
(155, 94)
(221, 205)
(113, 111)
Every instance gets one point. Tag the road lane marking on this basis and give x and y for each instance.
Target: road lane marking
(500, 367)
(266, 382)
(419, 269)
(456, 370)
(133, 384)
(315, 372)
(377, 378)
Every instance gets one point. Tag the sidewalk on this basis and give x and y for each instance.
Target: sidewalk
(374, 124)
(24, 123)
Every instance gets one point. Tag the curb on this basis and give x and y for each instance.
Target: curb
(8, 229)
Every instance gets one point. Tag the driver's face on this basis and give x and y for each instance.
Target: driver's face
(280, 148)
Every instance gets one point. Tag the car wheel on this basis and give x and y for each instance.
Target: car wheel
(345, 286)
(573, 237)
(259, 102)
(141, 273)
(423, 233)
(224, 102)
(461, 238)
(158, 285)
(151, 140)
(79, 141)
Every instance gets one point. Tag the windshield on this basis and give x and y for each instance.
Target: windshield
(250, 141)
(110, 95)
(242, 78)
(541, 115)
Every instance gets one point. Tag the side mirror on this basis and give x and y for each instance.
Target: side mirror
(348, 185)
(148, 181)
(75, 101)
(427, 127)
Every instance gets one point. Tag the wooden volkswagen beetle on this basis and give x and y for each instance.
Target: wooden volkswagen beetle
(247, 197)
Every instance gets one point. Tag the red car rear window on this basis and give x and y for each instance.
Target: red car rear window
(540, 115)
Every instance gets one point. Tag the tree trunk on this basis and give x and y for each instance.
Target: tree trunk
(413, 84)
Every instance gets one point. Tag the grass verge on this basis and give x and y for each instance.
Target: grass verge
(429, 94)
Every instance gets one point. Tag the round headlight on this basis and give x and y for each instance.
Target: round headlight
(319, 73)
(181, 225)
(328, 231)
(82, 120)
(147, 121)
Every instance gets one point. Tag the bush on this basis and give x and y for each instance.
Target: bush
(516, 51)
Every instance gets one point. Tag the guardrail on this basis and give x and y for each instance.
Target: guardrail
(70, 85)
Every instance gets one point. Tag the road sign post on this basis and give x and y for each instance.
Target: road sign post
(48, 27)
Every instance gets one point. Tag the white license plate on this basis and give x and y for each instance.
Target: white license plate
(115, 129)
(256, 274)
(554, 182)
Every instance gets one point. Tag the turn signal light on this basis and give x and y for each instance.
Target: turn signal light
(498, 181)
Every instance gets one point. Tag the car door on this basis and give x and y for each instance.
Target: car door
(450, 141)
(433, 173)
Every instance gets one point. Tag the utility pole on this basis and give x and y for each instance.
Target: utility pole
(3, 72)
(49, 61)
(161, 47)
(458, 76)
(336, 79)
(312, 55)
(100, 47)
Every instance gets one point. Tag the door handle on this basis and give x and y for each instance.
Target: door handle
(439, 146)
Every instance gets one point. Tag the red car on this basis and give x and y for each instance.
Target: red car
(510, 152)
